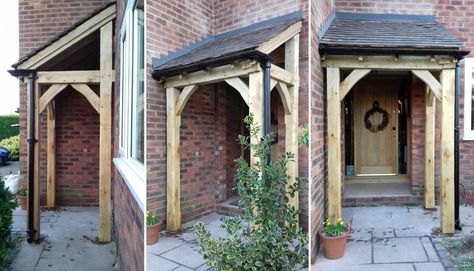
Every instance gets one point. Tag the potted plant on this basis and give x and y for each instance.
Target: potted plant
(22, 195)
(334, 238)
(152, 228)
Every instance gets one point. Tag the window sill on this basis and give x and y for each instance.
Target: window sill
(468, 138)
(135, 183)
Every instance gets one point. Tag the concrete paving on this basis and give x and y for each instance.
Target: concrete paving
(68, 242)
(12, 167)
(180, 252)
(392, 238)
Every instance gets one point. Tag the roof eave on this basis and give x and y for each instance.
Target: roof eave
(357, 50)
(218, 61)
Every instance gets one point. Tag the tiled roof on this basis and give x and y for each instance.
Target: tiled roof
(238, 41)
(387, 31)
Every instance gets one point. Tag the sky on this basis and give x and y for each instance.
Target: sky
(9, 95)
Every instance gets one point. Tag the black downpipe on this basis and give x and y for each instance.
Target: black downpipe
(31, 154)
(457, 221)
(266, 99)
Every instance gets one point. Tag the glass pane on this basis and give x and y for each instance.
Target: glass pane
(138, 93)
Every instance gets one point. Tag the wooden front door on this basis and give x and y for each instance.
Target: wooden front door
(376, 126)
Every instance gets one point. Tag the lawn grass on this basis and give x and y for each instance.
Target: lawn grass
(461, 251)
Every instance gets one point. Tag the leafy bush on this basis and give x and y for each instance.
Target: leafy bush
(267, 235)
(6, 129)
(8, 203)
(13, 144)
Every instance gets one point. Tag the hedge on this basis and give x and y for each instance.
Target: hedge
(6, 129)
(13, 144)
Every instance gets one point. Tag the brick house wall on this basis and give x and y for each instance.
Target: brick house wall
(40, 21)
(209, 125)
(128, 217)
(320, 11)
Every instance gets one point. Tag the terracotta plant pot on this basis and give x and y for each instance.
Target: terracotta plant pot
(334, 247)
(152, 234)
(22, 202)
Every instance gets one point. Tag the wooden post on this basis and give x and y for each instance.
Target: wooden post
(105, 146)
(51, 156)
(447, 151)
(256, 106)
(173, 123)
(37, 206)
(430, 109)
(291, 119)
(334, 146)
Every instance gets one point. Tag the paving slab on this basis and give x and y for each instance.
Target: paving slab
(159, 263)
(429, 267)
(357, 252)
(67, 242)
(399, 250)
(193, 258)
(429, 249)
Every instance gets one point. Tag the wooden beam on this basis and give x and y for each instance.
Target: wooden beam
(429, 80)
(173, 123)
(273, 84)
(68, 77)
(291, 116)
(184, 97)
(388, 62)
(36, 174)
(334, 144)
(270, 45)
(282, 75)
(447, 151)
(240, 86)
(52, 91)
(51, 156)
(90, 95)
(256, 107)
(105, 136)
(212, 75)
(285, 96)
(71, 38)
(351, 80)
(430, 109)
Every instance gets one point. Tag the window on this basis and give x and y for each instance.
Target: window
(468, 99)
(131, 162)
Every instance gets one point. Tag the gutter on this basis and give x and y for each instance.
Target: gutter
(455, 52)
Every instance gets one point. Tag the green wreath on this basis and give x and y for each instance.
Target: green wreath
(376, 109)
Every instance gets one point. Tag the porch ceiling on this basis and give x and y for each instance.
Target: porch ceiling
(388, 33)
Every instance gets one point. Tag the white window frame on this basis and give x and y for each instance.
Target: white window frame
(132, 170)
(468, 83)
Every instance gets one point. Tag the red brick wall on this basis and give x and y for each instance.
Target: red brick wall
(320, 11)
(170, 25)
(128, 217)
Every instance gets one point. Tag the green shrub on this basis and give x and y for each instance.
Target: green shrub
(267, 235)
(8, 203)
(6, 129)
(13, 144)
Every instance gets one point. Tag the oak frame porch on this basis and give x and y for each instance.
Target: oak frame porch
(30, 71)
(179, 89)
(443, 90)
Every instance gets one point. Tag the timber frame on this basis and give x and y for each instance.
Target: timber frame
(442, 90)
(179, 89)
(81, 81)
